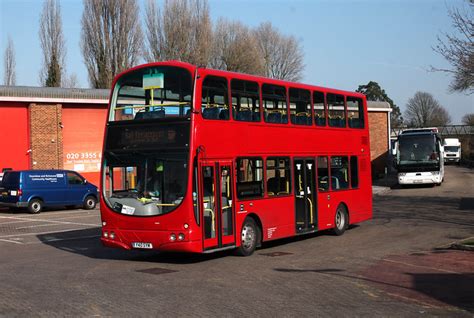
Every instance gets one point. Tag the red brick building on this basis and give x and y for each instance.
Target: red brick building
(60, 128)
(379, 130)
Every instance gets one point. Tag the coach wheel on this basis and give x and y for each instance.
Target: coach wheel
(248, 237)
(35, 206)
(90, 202)
(341, 220)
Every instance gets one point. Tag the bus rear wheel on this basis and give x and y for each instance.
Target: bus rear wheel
(248, 238)
(341, 220)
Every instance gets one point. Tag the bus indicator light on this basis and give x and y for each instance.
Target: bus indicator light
(186, 225)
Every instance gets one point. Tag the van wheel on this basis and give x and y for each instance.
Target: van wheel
(35, 206)
(248, 237)
(341, 220)
(90, 202)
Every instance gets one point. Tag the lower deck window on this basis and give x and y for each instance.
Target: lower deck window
(278, 176)
(339, 173)
(249, 177)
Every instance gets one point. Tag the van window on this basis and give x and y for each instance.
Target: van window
(11, 180)
(73, 178)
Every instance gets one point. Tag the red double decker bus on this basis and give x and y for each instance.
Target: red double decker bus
(201, 160)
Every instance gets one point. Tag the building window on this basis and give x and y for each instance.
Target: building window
(355, 112)
(319, 109)
(300, 106)
(336, 110)
(354, 172)
(214, 103)
(245, 100)
(249, 177)
(323, 174)
(274, 103)
(339, 173)
(278, 176)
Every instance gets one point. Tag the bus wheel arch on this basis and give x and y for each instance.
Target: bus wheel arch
(248, 236)
(259, 228)
(341, 219)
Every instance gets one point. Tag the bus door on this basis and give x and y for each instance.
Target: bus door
(217, 209)
(305, 195)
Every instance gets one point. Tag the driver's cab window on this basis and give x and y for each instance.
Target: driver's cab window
(74, 179)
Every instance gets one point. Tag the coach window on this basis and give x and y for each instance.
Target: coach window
(249, 178)
(245, 100)
(274, 103)
(319, 109)
(339, 173)
(354, 172)
(278, 176)
(355, 112)
(336, 110)
(300, 106)
(214, 103)
(323, 174)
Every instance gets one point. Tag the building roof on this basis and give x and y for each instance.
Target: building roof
(53, 94)
(378, 106)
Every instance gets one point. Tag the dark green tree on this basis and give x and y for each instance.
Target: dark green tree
(374, 92)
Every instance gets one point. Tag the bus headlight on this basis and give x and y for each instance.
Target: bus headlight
(401, 174)
(180, 236)
(106, 235)
(186, 225)
(435, 173)
(173, 237)
(112, 235)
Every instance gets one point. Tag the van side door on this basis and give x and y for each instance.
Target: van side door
(76, 188)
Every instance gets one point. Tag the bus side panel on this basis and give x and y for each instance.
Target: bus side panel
(276, 214)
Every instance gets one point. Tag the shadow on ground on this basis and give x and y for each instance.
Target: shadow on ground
(86, 242)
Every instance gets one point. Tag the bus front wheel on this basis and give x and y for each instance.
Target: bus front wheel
(248, 238)
(341, 220)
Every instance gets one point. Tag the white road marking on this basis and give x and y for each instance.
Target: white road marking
(11, 241)
(41, 233)
(50, 221)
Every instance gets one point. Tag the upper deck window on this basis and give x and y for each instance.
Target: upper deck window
(245, 100)
(274, 103)
(300, 106)
(151, 93)
(336, 108)
(355, 112)
(215, 100)
(319, 109)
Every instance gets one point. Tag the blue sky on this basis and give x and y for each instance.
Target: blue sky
(345, 43)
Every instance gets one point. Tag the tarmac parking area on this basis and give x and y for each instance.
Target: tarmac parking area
(398, 264)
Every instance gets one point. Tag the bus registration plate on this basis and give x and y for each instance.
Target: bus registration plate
(142, 245)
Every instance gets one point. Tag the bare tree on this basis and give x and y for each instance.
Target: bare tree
(111, 39)
(282, 55)
(52, 43)
(235, 49)
(181, 31)
(70, 81)
(423, 110)
(458, 49)
(9, 77)
(468, 119)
